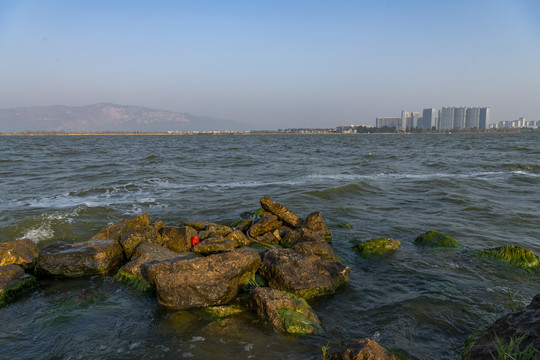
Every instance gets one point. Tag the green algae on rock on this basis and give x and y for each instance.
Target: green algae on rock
(516, 255)
(219, 312)
(434, 238)
(134, 282)
(377, 247)
(14, 282)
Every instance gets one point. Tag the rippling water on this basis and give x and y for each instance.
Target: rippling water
(484, 190)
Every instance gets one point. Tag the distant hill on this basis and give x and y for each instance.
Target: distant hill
(108, 117)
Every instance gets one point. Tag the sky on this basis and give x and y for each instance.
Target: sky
(274, 64)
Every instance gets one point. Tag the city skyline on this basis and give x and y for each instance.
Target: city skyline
(273, 64)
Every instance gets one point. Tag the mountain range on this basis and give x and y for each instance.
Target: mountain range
(108, 117)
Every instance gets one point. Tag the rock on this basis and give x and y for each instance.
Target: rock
(294, 237)
(284, 214)
(79, 259)
(201, 282)
(365, 349)
(114, 231)
(177, 238)
(214, 230)
(213, 246)
(198, 225)
(159, 226)
(377, 247)
(243, 225)
(136, 235)
(13, 283)
(514, 255)
(434, 238)
(524, 324)
(220, 312)
(266, 224)
(239, 238)
(267, 238)
(302, 274)
(145, 253)
(315, 224)
(286, 312)
(317, 247)
(20, 252)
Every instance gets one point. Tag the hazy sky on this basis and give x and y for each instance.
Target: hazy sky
(274, 64)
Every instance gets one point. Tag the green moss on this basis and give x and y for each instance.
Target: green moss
(434, 238)
(134, 282)
(259, 212)
(253, 281)
(377, 247)
(11, 293)
(294, 322)
(216, 313)
(518, 256)
(328, 238)
(237, 222)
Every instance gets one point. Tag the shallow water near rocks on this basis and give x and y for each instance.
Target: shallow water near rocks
(483, 190)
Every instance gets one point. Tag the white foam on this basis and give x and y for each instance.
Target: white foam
(43, 232)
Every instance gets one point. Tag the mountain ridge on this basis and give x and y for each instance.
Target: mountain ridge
(108, 117)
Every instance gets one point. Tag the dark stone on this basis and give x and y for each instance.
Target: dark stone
(243, 225)
(177, 238)
(365, 349)
(14, 282)
(204, 281)
(114, 231)
(138, 234)
(284, 214)
(20, 252)
(302, 274)
(239, 238)
(524, 323)
(315, 224)
(286, 312)
(266, 224)
(79, 259)
(317, 247)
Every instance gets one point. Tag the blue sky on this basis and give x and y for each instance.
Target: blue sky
(274, 64)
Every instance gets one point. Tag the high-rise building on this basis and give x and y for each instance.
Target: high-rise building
(483, 121)
(404, 116)
(446, 119)
(414, 120)
(429, 119)
(472, 119)
(459, 118)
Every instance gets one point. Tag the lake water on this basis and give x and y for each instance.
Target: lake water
(483, 190)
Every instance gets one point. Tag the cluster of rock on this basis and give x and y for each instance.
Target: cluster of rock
(294, 262)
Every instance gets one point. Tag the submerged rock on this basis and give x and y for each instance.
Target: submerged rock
(79, 259)
(521, 327)
(514, 255)
(177, 238)
(114, 231)
(315, 224)
(302, 274)
(138, 234)
(20, 252)
(377, 247)
(365, 349)
(214, 245)
(286, 312)
(14, 282)
(204, 281)
(284, 214)
(434, 238)
(219, 312)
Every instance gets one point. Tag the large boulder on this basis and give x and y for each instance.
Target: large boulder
(293, 237)
(377, 247)
(177, 238)
(522, 328)
(204, 281)
(315, 224)
(114, 231)
(317, 247)
(214, 245)
(20, 252)
(365, 349)
(136, 235)
(286, 312)
(515, 255)
(284, 214)
(79, 259)
(14, 282)
(433, 238)
(267, 223)
(303, 274)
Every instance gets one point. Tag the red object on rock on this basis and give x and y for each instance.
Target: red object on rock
(195, 240)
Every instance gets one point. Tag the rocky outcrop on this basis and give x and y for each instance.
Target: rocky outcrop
(114, 231)
(214, 245)
(522, 325)
(365, 349)
(205, 281)
(286, 312)
(434, 238)
(79, 259)
(377, 247)
(136, 235)
(177, 238)
(14, 282)
(314, 223)
(515, 255)
(284, 214)
(20, 252)
(302, 274)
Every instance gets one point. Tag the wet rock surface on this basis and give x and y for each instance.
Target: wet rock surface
(114, 231)
(314, 223)
(433, 238)
(20, 252)
(177, 238)
(377, 247)
(79, 259)
(138, 234)
(317, 247)
(365, 349)
(14, 282)
(214, 246)
(284, 214)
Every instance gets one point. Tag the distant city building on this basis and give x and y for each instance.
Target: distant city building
(404, 116)
(388, 121)
(429, 119)
(472, 119)
(483, 120)
(459, 117)
(414, 120)
(446, 118)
